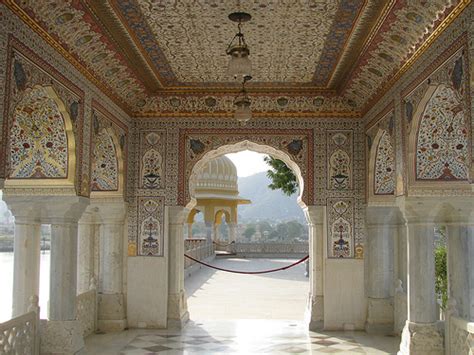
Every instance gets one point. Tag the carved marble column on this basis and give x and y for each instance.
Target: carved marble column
(421, 334)
(62, 333)
(460, 231)
(382, 229)
(209, 231)
(315, 308)
(111, 303)
(215, 233)
(26, 252)
(85, 250)
(232, 232)
(177, 307)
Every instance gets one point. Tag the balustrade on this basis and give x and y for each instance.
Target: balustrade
(20, 335)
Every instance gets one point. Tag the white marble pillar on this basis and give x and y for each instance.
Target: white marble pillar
(382, 229)
(215, 233)
(421, 335)
(177, 307)
(26, 264)
(85, 250)
(111, 303)
(460, 232)
(315, 307)
(232, 232)
(209, 231)
(26, 251)
(190, 231)
(62, 333)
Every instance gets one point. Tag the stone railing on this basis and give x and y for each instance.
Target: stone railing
(86, 304)
(20, 335)
(459, 333)
(272, 249)
(199, 249)
(400, 308)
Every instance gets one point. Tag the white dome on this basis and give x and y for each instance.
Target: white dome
(218, 177)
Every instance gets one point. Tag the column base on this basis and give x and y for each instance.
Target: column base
(178, 314)
(421, 339)
(111, 312)
(315, 313)
(60, 337)
(380, 316)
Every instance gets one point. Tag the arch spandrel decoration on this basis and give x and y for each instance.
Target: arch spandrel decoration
(296, 147)
(382, 165)
(42, 144)
(108, 154)
(437, 123)
(442, 137)
(107, 164)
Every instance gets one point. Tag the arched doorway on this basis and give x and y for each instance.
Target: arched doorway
(234, 148)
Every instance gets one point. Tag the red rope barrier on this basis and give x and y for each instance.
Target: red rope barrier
(248, 272)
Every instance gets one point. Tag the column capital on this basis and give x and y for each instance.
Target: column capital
(63, 209)
(110, 210)
(47, 209)
(314, 214)
(24, 209)
(387, 215)
(437, 209)
(177, 214)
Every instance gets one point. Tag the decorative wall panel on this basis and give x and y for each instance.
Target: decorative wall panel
(38, 139)
(29, 61)
(150, 227)
(298, 144)
(340, 159)
(105, 169)
(384, 171)
(340, 216)
(442, 139)
(152, 146)
(109, 151)
(25, 72)
(437, 120)
(186, 141)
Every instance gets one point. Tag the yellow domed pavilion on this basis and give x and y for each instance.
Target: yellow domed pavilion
(217, 195)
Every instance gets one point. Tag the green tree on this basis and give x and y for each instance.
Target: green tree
(441, 274)
(295, 229)
(282, 230)
(264, 226)
(250, 231)
(282, 176)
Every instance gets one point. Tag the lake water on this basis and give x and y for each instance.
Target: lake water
(6, 282)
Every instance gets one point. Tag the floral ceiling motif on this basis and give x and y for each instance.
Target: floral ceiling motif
(193, 37)
(404, 30)
(142, 52)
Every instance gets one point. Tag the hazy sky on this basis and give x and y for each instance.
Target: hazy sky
(248, 163)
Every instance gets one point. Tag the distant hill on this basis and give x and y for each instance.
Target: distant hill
(266, 203)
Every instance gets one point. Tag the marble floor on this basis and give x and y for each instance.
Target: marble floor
(249, 336)
(243, 314)
(218, 295)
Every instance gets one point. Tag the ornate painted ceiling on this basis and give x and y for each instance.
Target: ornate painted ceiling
(156, 57)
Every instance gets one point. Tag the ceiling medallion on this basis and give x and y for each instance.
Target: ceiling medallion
(240, 67)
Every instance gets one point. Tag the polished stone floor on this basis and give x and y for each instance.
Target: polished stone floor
(243, 314)
(218, 295)
(249, 336)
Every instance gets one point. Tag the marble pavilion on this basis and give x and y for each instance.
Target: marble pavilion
(110, 109)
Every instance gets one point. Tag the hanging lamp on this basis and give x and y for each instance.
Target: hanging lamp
(239, 62)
